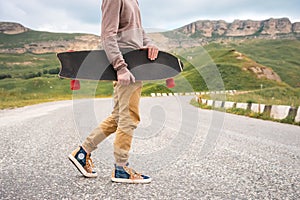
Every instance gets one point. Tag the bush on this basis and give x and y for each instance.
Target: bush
(4, 76)
(32, 75)
(251, 101)
(54, 71)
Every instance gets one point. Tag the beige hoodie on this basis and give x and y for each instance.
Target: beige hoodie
(121, 29)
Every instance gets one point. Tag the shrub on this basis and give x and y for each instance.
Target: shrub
(4, 76)
(54, 71)
(32, 75)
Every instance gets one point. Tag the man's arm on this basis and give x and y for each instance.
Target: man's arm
(109, 30)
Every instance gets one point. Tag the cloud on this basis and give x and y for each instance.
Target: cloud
(54, 15)
(85, 16)
(174, 13)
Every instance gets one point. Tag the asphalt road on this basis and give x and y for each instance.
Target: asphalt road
(188, 152)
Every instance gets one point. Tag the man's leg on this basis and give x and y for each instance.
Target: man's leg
(106, 128)
(80, 157)
(129, 98)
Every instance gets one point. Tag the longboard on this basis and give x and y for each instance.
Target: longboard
(94, 65)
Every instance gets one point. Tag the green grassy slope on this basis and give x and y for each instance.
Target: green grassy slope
(234, 75)
(31, 78)
(281, 55)
(225, 71)
(18, 40)
(25, 65)
(21, 92)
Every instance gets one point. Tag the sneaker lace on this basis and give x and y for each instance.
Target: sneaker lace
(133, 173)
(89, 162)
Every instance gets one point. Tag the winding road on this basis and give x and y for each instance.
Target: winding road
(189, 153)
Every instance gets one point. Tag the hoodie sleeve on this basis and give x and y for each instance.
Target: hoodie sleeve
(109, 29)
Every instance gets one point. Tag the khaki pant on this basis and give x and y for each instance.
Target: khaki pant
(123, 120)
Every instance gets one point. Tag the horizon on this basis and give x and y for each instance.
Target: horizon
(157, 30)
(85, 17)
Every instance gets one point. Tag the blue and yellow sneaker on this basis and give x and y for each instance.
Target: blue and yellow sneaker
(124, 174)
(83, 162)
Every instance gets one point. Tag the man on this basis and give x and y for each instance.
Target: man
(121, 32)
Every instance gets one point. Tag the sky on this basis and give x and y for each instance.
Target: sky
(84, 16)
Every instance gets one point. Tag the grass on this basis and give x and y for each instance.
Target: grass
(29, 78)
(248, 113)
(269, 96)
(281, 55)
(22, 65)
(20, 92)
(33, 37)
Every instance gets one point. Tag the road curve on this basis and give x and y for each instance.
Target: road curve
(189, 153)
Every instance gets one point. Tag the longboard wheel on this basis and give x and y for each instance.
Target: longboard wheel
(170, 83)
(75, 85)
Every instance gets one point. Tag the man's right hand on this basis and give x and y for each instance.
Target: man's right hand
(125, 76)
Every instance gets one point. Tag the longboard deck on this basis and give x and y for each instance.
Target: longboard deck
(94, 65)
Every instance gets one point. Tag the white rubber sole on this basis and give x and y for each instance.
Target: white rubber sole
(137, 181)
(80, 168)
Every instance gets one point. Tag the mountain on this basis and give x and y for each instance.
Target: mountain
(270, 28)
(15, 38)
(12, 28)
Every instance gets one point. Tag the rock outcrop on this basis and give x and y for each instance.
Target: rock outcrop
(12, 28)
(86, 42)
(194, 34)
(241, 28)
(296, 27)
(83, 42)
(259, 70)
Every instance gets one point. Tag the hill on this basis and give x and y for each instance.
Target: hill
(29, 66)
(16, 39)
(208, 31)
(270, 28)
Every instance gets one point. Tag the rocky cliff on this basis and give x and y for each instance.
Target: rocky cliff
(194, 34)
(51, 45)
(12, 28)
(85, 42)
(241, 28)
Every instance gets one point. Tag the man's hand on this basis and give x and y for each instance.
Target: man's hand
(125, 76)
(152, 52)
